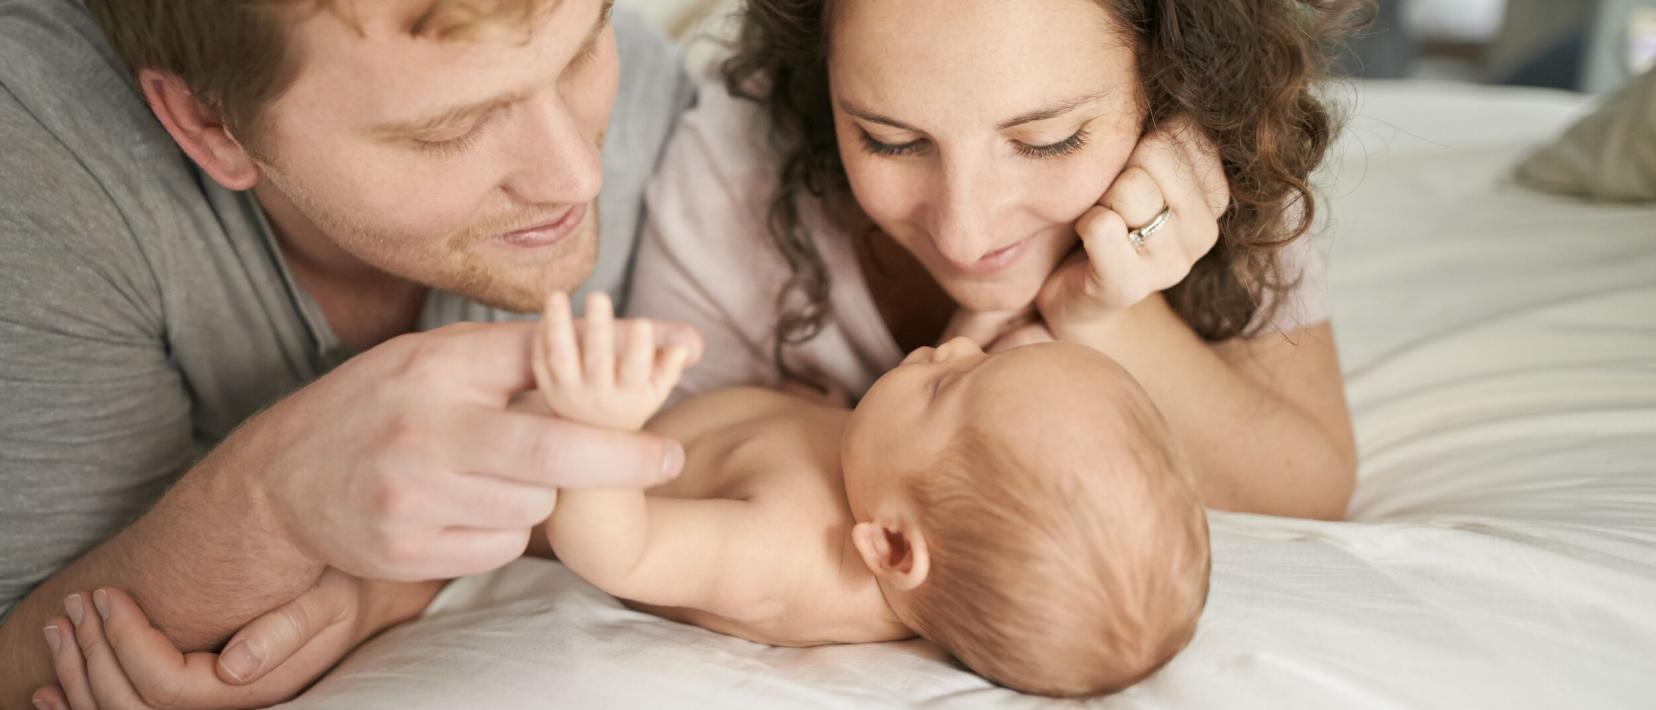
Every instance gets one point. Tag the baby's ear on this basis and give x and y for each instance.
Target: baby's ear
(895, 553)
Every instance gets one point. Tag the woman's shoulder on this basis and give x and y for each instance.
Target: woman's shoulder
(728, 134)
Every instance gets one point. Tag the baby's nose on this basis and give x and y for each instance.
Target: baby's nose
(955, 348)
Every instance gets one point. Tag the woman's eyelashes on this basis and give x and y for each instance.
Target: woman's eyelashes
(1069, 146)
(891, 150)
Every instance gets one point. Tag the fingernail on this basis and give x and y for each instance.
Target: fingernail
(100, 599)
(673, 462)
(53, 640)
(77, 611)
(41, 705)
(239, 660)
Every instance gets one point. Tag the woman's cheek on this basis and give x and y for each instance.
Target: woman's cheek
(883, 192)
(1068, 192)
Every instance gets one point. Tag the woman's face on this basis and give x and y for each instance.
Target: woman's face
(976, 132)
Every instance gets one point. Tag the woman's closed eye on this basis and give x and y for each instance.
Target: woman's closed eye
(891, 150)
(1067, 146)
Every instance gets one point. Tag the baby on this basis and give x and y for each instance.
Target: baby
(1026, 510)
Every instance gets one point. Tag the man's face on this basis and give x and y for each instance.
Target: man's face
(468, 165)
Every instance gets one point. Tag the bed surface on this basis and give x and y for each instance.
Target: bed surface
(1500, 347)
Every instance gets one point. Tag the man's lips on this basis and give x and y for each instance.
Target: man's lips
(547, 233)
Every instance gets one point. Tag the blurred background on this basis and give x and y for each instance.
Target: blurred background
(1590, 46)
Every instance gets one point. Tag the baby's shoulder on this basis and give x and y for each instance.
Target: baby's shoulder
(719, 409)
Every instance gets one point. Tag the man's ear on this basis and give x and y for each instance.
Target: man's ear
(895, 552)
(198, 130)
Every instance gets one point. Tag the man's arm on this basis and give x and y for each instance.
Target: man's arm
(204, 561)
(96, 421)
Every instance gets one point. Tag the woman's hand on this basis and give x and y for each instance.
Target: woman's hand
(108, 656)
(1174, 168)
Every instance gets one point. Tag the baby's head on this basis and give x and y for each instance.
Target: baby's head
(1028, 512)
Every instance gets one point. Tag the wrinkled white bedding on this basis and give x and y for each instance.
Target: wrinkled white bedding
(1501, 353)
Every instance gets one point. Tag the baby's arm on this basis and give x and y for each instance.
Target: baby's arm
(658, 551)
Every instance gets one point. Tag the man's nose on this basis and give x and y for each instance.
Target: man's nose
(969, 198)
(557, 163)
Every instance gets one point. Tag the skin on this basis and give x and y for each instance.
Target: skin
(940, 87)
(791, 525)
(1263, 420)
(429, 476)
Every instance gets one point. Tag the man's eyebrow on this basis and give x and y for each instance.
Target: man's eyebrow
(1054, 111)
(459, 115)
(449, 118)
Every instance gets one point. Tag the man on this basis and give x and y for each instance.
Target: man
(218, 227)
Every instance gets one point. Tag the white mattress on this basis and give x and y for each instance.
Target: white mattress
(1501, 354)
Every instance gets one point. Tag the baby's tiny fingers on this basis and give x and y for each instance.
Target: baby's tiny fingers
(640, 353)
(598, 343)
(561, 351)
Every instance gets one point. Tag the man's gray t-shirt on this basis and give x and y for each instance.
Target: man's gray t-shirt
(145, 311)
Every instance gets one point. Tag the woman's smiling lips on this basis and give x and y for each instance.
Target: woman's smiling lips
(996, 261)
(547, 233)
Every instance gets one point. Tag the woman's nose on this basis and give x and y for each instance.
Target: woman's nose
(557, 164)
(964, 228)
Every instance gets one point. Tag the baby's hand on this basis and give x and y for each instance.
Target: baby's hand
(614, 375)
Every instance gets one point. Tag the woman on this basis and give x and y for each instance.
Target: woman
(873, 177)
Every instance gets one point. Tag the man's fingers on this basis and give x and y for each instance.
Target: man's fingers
(459, 552)
(490, 358)
(110, 686)
(69, 664)
(491, 503)
(271, 639)
(50, 698)
(555, 453)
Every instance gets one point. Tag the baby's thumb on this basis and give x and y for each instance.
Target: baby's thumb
(270, 640)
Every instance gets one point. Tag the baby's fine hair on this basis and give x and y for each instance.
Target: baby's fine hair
(1063, 582)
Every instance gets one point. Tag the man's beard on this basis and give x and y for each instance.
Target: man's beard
(457, 263)
(563, 267)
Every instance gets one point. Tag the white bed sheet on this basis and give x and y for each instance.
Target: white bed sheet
(1501, 353)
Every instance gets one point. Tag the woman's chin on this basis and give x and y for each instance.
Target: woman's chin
(993, 296)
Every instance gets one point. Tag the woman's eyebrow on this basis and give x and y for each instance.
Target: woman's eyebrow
(873, 117)
(1054, 111)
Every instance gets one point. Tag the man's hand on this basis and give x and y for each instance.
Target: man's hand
(107, 655)
(405, 464)
(613, 375)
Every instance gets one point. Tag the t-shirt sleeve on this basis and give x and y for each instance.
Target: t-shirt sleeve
(706, 257)
(1306, 303)
(94, 419)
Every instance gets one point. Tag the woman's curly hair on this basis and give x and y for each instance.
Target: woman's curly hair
(1245, 71)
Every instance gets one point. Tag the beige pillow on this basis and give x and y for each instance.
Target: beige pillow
(1610, 155)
